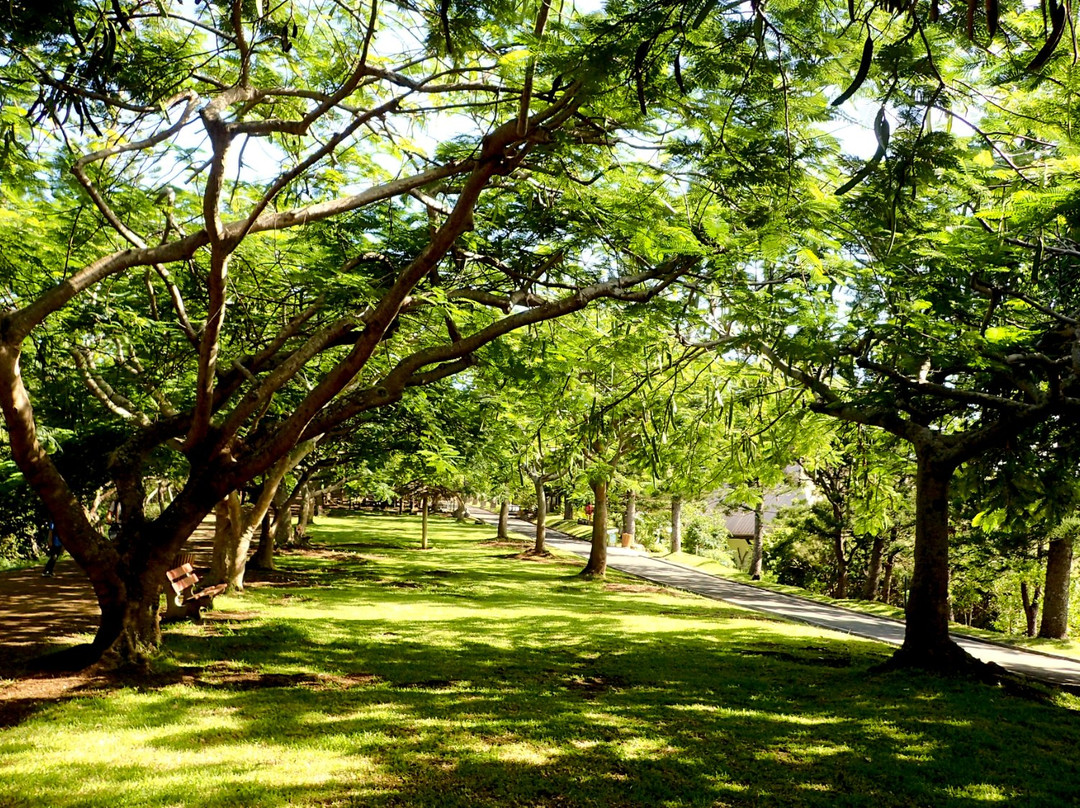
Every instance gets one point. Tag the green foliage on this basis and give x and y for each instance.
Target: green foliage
(705, 531)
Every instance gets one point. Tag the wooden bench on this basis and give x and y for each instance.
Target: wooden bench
(185, 601)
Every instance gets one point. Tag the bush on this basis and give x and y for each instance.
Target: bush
(704, 531)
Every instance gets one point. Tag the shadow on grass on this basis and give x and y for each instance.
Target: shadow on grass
(503, 683)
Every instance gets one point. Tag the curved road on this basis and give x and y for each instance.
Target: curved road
(1045, 667)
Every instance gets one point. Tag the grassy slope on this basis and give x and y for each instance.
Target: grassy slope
(463, 677)
(1068, 647)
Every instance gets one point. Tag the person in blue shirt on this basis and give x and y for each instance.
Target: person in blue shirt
(55, 547)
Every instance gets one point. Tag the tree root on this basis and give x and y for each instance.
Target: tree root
(947, 659)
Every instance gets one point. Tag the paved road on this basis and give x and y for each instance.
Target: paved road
(1054, 669)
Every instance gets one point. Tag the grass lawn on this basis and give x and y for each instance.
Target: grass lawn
(1068, 647)
(383, 675)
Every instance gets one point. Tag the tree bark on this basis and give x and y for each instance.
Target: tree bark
(272, 531)
(504, 520)
(840, 557)
(232, 540)
(1031, 607)
(597, 564)
(873, 567)
(460, 511)
(1055, 619)
(567, 508)
(926, 640)
(629, 524)
(541, 515)
(757, 558)
(676, 524)
(231, 547)
(307, 509)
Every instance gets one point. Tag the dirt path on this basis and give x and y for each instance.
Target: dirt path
(37, 612)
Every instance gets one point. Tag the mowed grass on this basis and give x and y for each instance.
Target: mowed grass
(1067, 648)
(384, 675)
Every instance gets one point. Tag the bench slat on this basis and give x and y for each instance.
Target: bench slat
(184, 583)
(179, 572)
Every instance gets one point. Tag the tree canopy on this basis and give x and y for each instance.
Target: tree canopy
(234, 229)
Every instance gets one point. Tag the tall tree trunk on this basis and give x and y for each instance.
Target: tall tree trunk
(873, 568)
(676, 524)
(272, 531)
(1031, 607)
(423, 522)
(283, 527)
(307, 509)
(597, 564)
(230, 556)
(541, 515)
(926, 640)
(756, 559)
(504, 520)
(567, 508)
(840, 557)
(232, 540)
(1055, 619)
(629, 524)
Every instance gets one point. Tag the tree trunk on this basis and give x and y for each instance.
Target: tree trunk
(504, 520)
(307, 509)
(423, 523)
(460, 511)
(676, 524)
(840, 557)
(629, 523)
(232, 541)
(926, 640)
(597, 564)
(567, 508)
(1031, 607)
(873, 568)
(757, 558)
(272, 531)
(1055, 619)
(541, 515)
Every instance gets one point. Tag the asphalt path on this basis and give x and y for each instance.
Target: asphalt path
(1045, 667)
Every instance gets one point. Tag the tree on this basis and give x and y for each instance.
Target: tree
(270, 310)
(955, 362)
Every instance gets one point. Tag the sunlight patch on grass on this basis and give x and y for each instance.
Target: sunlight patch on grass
(983, 792)
(463, 678)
